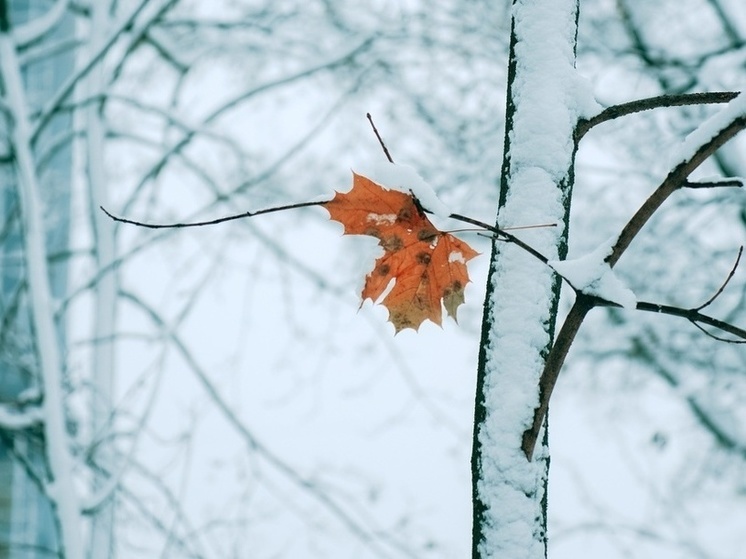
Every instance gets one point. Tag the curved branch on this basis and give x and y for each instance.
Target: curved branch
(660, 101)
(692, 315)
(677, 177)
(725, 283)
(583, 304)
(552, 367)
(69, 86)
(35, 29)
(211, 221)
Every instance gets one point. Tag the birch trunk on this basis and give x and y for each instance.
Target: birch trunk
(60, 487)
(105, 294)
(509, 491)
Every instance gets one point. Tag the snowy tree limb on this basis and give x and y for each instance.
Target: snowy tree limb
(717, 131)
(66, 90)
(61, 488)
(12, 419)
(36, 28)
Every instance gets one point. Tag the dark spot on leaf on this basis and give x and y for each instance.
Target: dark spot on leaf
(423, 258)
(405, 214)
(392, 243)
(426, 234)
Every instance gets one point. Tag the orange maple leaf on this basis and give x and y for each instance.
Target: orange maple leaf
(428, 265)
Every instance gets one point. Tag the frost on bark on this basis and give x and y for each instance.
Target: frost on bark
(509, 491)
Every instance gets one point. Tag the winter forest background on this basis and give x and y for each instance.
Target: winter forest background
(219, 392)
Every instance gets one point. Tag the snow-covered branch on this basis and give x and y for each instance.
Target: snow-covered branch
(61, 488)
(12, 419)
(698, 146)
(39, 26)
(695, 149)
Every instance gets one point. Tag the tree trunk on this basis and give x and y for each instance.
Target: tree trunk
(60, 487)
(105, 293)
(509, 490)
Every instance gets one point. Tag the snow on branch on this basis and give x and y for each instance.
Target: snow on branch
(36, 28)
(596, 286)
(694, 150)
(61, 488)
(592, 275)
(13, 419)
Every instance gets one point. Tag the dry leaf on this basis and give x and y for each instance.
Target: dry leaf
(428, 266)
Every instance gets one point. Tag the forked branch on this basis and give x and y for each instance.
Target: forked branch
(724, 126)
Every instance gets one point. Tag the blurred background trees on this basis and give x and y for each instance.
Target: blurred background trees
(223, 395)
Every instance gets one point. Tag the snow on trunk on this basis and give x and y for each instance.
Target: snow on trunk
(545, 100)
(105, 294)
(61, 487)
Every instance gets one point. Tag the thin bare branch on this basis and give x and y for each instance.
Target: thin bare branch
(733, 182)
(69, 86)
(725, 283)
(650, 103)
(211, 221)
(693, 315)
(675, 179)
(380, 140)
(715, 337)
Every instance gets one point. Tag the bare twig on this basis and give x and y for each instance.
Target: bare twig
(380, 140)
(657, 102)
(675, 179)
(715, 337)
(693, 315)
(733, 182)
(725, 283)
(62, 94)
(211, 221)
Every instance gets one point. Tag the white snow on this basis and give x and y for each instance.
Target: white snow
(549, 98)
(405, 179)
(708, 129)
(592, 275)
(586, 103)
(60, 460)
(11, 419)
